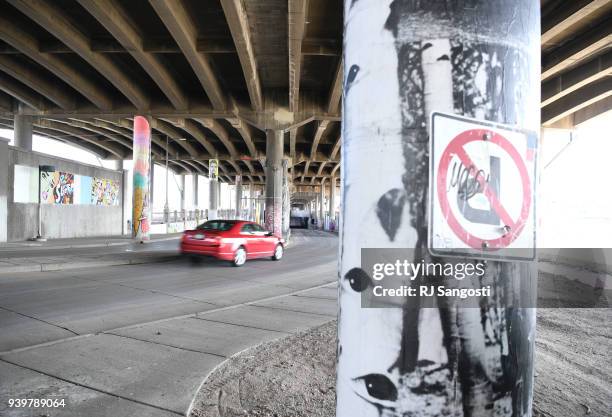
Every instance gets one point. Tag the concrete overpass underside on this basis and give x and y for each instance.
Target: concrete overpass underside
(215, 76)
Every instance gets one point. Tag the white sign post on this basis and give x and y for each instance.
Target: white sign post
(482, 189)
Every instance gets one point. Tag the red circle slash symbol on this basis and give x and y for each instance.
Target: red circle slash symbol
(456, 147)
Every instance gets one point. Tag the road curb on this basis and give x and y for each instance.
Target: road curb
(63, 266)
(87, 245)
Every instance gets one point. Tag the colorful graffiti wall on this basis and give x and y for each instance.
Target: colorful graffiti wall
(56, 187)
(104, 192)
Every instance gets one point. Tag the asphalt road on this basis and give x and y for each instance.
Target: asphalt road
(138, 340)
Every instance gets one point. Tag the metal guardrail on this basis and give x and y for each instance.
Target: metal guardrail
(177, 216)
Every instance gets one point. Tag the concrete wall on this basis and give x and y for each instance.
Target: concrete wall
(61, 221)
(3, 189)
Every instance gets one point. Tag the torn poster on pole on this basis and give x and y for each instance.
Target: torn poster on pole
(482, 188)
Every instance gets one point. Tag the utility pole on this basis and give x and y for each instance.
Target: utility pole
(404, 60)
(166, 206)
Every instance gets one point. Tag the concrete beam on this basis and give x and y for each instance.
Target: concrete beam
(12, 34)
(102, 132)
(236, 18)
(336, 148)
(219, 131)
(6, 102)
(56, 22)
(150, 45)
(292, 140)
(335, 93)
(570, 18)
(86, 146)
(112, 148)
(577, 49)
(586, 113)
(193, 129)
(336, 168)
(22, 93)
(319, 171)
(114, 18)
(297, 22)
(244, 131)
(309, 48)
(127, 124)
(319, 157)
(24, 73)
(173, 133)
(216, 46)
(579, 76)
(322, 125)
(249, 166)
(577, 100)
(176, 18)
(305, 173)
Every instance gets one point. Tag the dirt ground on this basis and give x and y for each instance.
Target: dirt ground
(295, 376)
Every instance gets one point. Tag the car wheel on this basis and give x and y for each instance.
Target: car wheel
(278, 253)
(239, 257)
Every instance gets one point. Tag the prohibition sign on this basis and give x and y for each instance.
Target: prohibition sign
(513, 228)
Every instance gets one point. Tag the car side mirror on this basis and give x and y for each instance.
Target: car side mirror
(269, 233)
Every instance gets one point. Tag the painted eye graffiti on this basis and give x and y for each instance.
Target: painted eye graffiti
(358, 279)
(379, 387)
(389, 211)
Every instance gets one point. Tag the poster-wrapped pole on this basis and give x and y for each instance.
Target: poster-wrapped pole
(141, 206)
(403, 61)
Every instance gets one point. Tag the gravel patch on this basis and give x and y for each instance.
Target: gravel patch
(295, 376)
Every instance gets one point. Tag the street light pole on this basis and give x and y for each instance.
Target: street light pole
(166, 206)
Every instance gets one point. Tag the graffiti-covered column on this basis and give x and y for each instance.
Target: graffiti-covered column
(403, 61)
(274, 181)
(213, 195)
(286, 200)
(141, 204)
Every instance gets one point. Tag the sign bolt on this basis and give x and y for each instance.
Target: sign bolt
(507, 229)
(485, 245)
(486, 136)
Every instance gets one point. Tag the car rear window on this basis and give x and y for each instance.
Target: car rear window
(221, 225)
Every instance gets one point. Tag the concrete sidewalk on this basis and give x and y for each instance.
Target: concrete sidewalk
(82, 242)
(64, 254)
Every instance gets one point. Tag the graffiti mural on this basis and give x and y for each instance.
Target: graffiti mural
(56, 187)
(142, 164)
(104, 192)
(403, 60)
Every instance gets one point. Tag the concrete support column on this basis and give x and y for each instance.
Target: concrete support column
(286, 201)
(332, 199)
(196, 190)
(322, 205)
(213, 194)
(23, 131)
(141, 204)
(274, 181)
(4, 188)
(183, 194)
(405, 60)
(152, 184)
(238, 196)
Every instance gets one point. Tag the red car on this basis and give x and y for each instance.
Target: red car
(232, 240)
